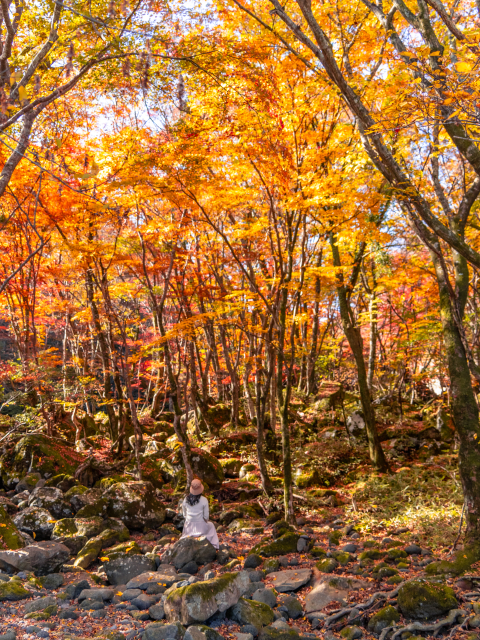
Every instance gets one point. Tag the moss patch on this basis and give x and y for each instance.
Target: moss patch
(285, 544)
(10, 537)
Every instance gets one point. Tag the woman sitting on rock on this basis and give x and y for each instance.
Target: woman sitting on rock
(195, 511)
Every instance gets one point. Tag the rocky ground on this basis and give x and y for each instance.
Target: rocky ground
(88, 551)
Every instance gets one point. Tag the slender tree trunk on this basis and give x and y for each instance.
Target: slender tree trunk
(354, 337)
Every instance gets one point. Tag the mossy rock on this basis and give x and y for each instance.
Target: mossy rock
(422, 600)
(272, 633)
(327, 566)
(151, 467)
(65, 528)
(105, 483)
(280, 528)
(386, 617)
(351, 633)
(307, 478)
(12, 591)
(231, 467)
(318, 552)
(251, 612)
(88, 554)
(37, 522)
(396, 554)
(10, 536)
(462, 562)
(370, 544)
(95, 509)
(395, 580)
(271, 565)
(125, 548)
(216, 416)
(334, 537)
(386, 572)
(285, 544)
(77, 490)
(43, 454)
(342, 557)
(89, 527)
(136, 504)
(371, 554)
(252, 526)
(47, 613)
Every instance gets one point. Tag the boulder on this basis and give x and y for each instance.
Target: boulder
(90, 527)
(13, 591)
(287, 543)
(267, 596)
(199, 601)
(200, 550)
(81, 496)
(51, 581)
(329, 589)
(160, 631)
(89, 553)
(130, 548)
(41, 558)
(10, 507)
(204, 466)
(51, 499)
(202, 632)
(257, 614)
(293, 606)
(64, 528)
(135, 504)
(101, 594)
(422, 600)
(35, 521)
(290, 580)
(122, 569)
(157, 612)
(386, 617)
(273, 633)
(10, 537)
(39, 604)
(40, 452)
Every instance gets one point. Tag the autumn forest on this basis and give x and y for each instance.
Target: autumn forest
(239, 244)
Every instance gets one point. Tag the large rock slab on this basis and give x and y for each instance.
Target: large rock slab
(422, 600)
(151, 577)
(290, 580)
(329, 589)
(186, 550)
(135, 504)
(125, 567)
(41, 558)
(199, 601)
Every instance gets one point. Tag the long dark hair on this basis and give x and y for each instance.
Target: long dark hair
(193, 500)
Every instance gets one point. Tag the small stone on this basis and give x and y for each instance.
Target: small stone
(249, 628)
(191, 568)
(157, 612)
(143, 602)
(293, 606)
(98, 614)
(130, 594)
(349, 548)
(290, 580)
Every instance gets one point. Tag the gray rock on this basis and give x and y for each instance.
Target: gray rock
(143, 602)
(202, 632)
(274, 633)
(290, 580)
(293, 606)
(96, 594)
(40, 604)
(76, 588)
(252, 588)
(135, 504)
(51, 499)
(125, 567)
(159, 631)
(304, 543)
(257, 614)
(253, 561)
(185, 550)
(151, 577)
(10, 635)
(52, 581)
(42, 558)
(267, 596)
(256, 576)
(92, 605)
(351, 633)
(200, 601)
(68, 614)
(130, 594)
(35, 520)
(413, 550)
(329, 589)
(349, 548)
(157, 612)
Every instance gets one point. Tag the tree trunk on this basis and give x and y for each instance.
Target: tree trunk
(354, 337)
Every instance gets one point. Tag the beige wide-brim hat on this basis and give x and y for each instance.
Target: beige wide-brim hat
(196, 488)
